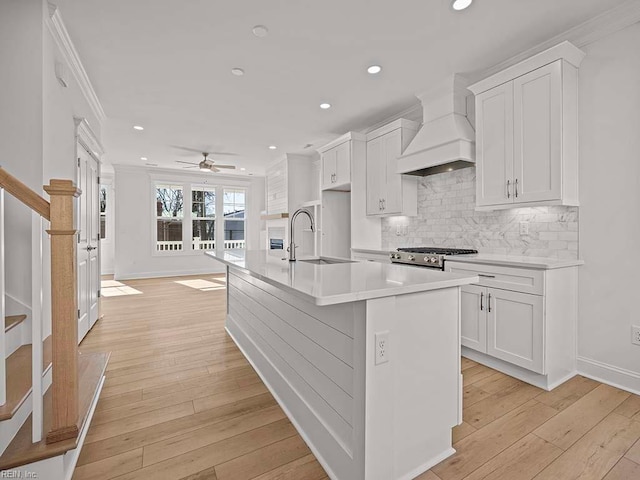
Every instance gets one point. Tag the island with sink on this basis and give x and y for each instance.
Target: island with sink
(363, 357)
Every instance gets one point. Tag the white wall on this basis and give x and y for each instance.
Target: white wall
(135, 255)
(610, 208)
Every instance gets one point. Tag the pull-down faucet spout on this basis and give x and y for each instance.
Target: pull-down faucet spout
(292, 244)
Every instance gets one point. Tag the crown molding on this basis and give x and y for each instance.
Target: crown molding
(63, 41)
(413, 113)
(87, 137)
(581, 35)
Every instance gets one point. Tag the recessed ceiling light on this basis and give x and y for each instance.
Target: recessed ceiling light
(238, 72)
(143, 158)
(461, 4)
(138, 127)
(260, 31)
(242, 169)
(272, 147)
(324, 106)
(373, 69)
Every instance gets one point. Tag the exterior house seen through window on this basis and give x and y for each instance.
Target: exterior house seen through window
(169, 212)
(103, 212)
(203, 215)
(209, 205)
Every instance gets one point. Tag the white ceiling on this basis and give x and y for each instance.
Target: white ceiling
(166, 65)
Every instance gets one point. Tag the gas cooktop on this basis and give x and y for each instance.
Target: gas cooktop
(432, 257)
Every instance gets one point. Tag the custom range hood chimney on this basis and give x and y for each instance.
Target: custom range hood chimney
(446, 140)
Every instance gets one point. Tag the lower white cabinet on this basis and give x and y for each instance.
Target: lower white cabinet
(520, 321)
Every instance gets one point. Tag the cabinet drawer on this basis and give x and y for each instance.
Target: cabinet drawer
(508, 278)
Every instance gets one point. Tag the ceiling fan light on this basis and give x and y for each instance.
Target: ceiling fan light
(204, 168)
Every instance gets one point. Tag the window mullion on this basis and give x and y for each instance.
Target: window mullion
(187, 224)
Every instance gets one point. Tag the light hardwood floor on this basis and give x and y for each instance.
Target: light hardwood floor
(181, 402)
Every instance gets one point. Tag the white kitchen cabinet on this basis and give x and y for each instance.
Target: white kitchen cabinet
(388, 192)
(515, 328)
(521, 321)
(336, 167)
(526, 132)
(473, 317)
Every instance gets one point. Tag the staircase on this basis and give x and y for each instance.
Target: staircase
(48, 388)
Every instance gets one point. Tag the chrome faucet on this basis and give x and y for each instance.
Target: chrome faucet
(292, 244)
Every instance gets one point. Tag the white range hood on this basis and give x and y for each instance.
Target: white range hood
(446, 140)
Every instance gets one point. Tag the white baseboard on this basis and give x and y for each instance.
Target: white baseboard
(168, 273)
(610, 374)
(9, 428)
(431, 463)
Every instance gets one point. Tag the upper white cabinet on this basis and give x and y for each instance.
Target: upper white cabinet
(526, 132)
(336, 158)
(388, 192)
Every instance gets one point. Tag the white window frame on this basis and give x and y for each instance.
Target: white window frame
(187, 183)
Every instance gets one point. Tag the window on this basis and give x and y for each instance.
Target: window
(234, 216)
(103, 212)
(203, 218)
(169, 214)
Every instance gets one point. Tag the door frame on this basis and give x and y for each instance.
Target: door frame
(87, 140)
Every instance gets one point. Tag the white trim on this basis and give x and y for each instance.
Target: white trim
(581, 35)
(428, 464)
(169, 273)
(609, 374)
(87, 138)
(65, 45)
(564, 50)
(412, 113)
(342, 139)
(391, 126)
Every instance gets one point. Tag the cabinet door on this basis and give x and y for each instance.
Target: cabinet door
(328, 168)
(376, 174)
(343, 164)
(494, 146)
(474, 317)
(537, 98)
(392, 200)
(515, 328)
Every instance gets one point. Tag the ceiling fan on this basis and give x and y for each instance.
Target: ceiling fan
(206, 164)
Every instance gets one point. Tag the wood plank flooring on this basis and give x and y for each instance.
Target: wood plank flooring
(181, 402)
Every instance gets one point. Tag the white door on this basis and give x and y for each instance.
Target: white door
(375, 176)
(88, 242)
(494, 146)
(537, 106)
(515, 328)
(474, 317)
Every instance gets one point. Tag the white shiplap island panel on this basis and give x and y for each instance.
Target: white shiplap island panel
(309, 331)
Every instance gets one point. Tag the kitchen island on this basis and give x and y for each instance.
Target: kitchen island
(363, 357)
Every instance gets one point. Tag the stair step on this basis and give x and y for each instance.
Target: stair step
(13, 321)
(19, 376)
(18, 381)
(21, 451)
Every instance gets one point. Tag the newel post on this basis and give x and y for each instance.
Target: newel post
(64, 308)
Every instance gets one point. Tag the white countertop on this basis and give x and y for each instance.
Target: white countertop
(540, 263)
(339, 282)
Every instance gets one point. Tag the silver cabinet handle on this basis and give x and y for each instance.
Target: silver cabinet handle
(508, 185)
(384, 206)
(516, 188)
(489, 304)
(486, 276)
(481, 301)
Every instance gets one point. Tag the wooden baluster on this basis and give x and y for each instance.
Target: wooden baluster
(64, 310)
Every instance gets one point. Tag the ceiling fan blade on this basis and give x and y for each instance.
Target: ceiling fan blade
(189, 163)
(224, 166)
(188, 149)
(195, 166)
(214, 169)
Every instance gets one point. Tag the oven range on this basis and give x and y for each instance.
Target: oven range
(431, 257)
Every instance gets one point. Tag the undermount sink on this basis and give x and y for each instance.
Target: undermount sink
(325, 261)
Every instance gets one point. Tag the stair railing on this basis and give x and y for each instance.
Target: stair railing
(60, 213)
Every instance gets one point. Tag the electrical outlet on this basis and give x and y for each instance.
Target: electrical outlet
(635, 334)
(524, 228)
(382, 347)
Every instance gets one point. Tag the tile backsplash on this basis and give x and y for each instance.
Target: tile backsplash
(447, 218)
